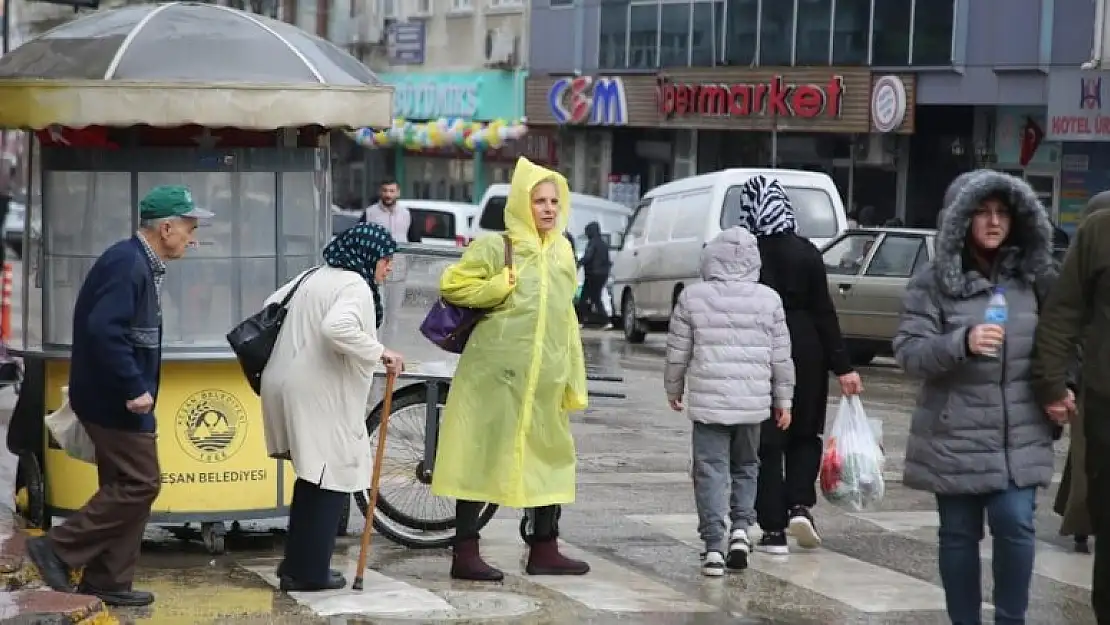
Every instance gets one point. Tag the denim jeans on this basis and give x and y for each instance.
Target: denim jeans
(1009, 514)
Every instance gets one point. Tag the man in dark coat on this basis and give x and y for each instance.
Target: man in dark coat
(595, 265)
(115, 368)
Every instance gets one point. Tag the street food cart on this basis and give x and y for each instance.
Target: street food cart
(236, 107)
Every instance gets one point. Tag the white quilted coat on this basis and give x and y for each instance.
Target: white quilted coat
(728, 348)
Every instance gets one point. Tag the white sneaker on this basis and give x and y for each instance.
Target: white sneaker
(712, 564)
(739, 548)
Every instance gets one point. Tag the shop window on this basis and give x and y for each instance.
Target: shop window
(741, 31)
(705, 33)
(892, 27)
(851, 32)
(643, 36)
(612, 45)
(776, 33)
(674, 35)
(932, 32)
(814, 24)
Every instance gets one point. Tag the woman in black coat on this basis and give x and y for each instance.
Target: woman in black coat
(791, 459)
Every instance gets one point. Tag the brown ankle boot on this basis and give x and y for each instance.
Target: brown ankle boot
(467, 563)
(544, 559)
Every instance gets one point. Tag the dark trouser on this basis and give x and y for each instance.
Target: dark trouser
(788, 466)
(313, 517)
(1010, 516)
(104, 536)
(591, 302)
(546, 520)
(1096, 428)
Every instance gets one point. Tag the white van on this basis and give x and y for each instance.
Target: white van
(611, 216)
(661, 251)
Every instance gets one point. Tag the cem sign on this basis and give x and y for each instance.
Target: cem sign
(599, 101)
(777, 97)
(432, 100)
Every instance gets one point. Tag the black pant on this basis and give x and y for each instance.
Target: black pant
(788, 465)
(590, 302)
(546, 520)
(313, 518)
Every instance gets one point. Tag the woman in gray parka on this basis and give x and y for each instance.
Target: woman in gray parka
(978, 439)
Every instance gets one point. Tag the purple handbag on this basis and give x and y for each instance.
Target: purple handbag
(450, 326)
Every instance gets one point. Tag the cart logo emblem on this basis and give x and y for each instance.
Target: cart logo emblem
(211, 425)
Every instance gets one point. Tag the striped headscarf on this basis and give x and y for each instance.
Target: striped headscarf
(764, 207)
(358, 249)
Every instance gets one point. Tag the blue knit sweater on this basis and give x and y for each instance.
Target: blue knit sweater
(117, 339)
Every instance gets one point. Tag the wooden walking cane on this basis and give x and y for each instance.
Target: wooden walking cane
(372, 505)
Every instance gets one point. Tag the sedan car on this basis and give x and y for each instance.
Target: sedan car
(868, 270)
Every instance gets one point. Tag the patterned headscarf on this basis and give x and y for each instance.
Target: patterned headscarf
(764, 207)
(359, 249)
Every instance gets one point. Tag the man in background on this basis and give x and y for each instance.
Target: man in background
(595, 266)
(115, 367)
(388, 213)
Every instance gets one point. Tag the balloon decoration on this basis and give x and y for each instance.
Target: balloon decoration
(442, 132)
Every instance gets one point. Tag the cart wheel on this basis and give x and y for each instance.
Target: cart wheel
(213, 535)
(30, 491)
(426, 521)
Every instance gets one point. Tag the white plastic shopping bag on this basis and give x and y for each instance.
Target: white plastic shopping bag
(69, 432)
(852, 464)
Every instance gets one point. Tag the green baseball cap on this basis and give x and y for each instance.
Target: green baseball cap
(171, 200)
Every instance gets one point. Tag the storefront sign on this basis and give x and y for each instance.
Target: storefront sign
(888, 103)
(1075, 106)
(588, 100)
(478, 96)
(777, 97)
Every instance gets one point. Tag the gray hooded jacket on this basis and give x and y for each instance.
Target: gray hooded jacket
(976, 427)
(728, 346)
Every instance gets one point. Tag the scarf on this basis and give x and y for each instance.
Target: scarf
(764, 207)
(359, 249)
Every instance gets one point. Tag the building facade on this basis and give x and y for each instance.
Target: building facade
(892, 98)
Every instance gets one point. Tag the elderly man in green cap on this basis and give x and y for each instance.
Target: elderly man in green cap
(113, 383)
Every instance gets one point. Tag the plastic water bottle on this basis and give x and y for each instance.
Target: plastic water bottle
(997, 312)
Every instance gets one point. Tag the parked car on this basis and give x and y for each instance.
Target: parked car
(868, 271)
(611, 216)
(661, 252)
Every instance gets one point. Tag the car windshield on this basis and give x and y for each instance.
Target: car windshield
(493, 215)
(813, 209)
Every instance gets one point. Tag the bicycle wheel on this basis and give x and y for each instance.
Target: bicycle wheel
(407, 512)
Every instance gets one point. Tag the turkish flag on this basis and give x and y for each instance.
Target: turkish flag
(1031, 136)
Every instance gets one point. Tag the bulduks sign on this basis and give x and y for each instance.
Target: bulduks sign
(777, 97)
(475, 96)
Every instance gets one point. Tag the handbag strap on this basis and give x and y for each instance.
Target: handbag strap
(508, 251)
(293, 291)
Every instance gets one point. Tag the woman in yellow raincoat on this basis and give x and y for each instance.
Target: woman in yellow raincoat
(505, 436)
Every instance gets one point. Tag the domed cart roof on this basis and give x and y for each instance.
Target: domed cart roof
(187, 63)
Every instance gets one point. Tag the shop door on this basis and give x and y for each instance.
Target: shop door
(1044, 184)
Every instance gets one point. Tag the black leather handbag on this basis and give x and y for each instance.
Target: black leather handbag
(254, 338)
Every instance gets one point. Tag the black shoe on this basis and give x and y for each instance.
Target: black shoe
(118, 598)
(774, 543)
(51, 568)
(335, 582)
(332, 573)
(739, 548)
(803, 529)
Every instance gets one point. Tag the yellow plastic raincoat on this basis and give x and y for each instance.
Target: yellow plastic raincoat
(505, 436)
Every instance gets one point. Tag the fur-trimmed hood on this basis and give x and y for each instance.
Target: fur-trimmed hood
(1027, 252)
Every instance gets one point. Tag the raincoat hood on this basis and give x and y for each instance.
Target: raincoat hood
(733, 256)
(1099, 202)
(519, 223)
(1027, 252)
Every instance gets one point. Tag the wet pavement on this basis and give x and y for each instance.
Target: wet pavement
(634, 522)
